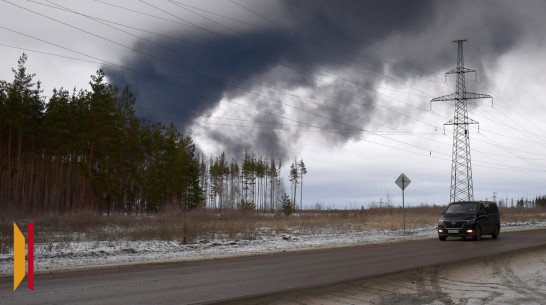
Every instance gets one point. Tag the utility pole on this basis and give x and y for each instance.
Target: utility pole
(461, 167)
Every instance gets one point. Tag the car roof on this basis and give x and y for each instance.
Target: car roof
(476, 201)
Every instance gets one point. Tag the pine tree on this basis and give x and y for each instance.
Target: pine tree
(303, 171)
(234, 183)
(22, 113)
(273, 179)
(294, 179)
(286, 206)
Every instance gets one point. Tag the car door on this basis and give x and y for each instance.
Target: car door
(484, 220)
(492, 216)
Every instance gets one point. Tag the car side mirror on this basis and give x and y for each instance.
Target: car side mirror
(443, 213)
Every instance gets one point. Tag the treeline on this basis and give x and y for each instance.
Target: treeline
(540, 201)
(252, 183)
(88, 150)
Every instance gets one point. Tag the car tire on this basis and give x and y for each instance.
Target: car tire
(495, 234)
(478, 233)
(442, 238)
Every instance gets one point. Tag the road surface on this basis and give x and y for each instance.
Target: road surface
(247, 277)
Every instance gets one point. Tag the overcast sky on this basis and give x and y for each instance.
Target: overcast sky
(344, 85)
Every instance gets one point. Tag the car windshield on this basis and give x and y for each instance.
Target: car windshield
(462, 208)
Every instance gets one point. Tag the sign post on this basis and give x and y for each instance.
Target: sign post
(403, 181)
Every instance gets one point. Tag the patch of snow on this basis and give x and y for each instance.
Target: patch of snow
(91, 254)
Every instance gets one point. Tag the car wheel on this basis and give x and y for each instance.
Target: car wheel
(495, 234)
(442, 238)
(478, 234)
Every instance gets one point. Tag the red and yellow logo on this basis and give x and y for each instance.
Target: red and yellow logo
(19, 256)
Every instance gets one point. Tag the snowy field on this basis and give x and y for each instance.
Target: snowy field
(94, 254)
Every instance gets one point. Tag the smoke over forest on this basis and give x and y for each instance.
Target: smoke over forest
(301, 65)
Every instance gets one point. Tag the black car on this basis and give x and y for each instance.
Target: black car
(470, 219)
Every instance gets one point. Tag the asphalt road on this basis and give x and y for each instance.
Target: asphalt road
(238, 278)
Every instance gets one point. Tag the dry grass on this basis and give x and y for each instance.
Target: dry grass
(202, 225)
(509, 215)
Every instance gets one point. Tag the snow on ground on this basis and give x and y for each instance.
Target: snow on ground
(91, 254)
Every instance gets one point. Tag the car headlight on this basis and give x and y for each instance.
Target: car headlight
(440, 222)
(471, 221)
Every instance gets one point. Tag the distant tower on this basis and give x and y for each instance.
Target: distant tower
(461, 167)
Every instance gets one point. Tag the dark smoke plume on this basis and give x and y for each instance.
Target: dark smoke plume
(184, 82)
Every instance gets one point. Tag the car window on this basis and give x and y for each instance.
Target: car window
(462, 208)
(494, 209)
(490, 208)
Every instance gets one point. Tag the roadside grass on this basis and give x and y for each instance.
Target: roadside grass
(509, 215)
(187, 227)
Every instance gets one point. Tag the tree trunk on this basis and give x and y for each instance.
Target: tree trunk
(295, 187)
(301, 193)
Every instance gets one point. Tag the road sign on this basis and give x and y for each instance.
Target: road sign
(403, 181)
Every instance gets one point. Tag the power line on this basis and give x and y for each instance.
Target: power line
(235, 86)
(59, 46)
(62, 8)
(142, 13)
(167, 62)
(306, 99)
(335, 131)
(524, 118)
(54, 54)
(238, 87)
(190, 114)
(336, 52)
(319, 129)
(127, 68)
(246, 106)
(216, 14)
(280, 91)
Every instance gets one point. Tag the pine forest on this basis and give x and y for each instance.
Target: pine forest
(88, 150)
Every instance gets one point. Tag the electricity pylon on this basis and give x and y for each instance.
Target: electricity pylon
(461, 167)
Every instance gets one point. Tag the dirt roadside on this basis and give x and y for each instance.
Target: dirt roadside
(517, 277)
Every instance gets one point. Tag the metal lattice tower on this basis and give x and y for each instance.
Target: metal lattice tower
(461, 167)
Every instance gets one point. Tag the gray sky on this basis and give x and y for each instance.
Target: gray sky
(345, 85)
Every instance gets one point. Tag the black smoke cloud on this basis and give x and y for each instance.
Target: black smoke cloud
(184, 82)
